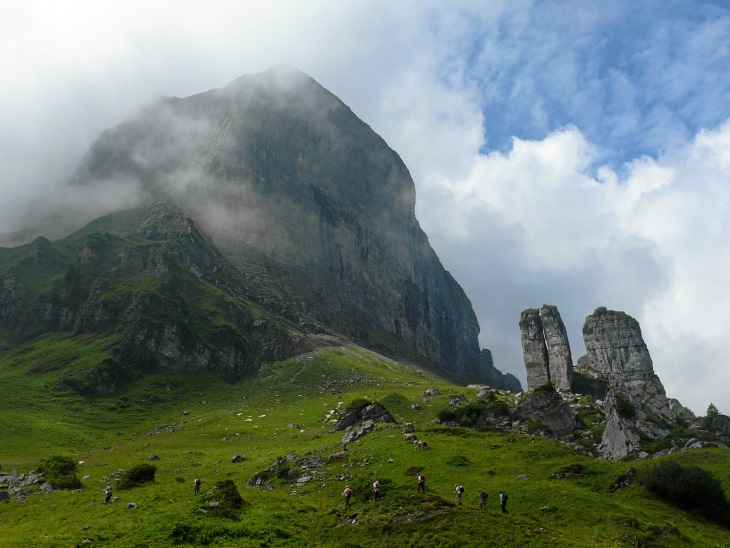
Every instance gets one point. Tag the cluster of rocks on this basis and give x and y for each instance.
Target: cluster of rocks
(19, 485)
(630, 404)
(361, 420)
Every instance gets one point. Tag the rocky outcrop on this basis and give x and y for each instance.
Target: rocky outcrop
(547, 407)
(616, 352)
(534, 349)
(545, 348)
(560, 361)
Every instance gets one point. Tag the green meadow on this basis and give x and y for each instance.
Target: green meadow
(195, 423)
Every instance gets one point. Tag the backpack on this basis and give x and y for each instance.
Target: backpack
(348, 492)
(461, 488)
(504, 497)
(376, 486)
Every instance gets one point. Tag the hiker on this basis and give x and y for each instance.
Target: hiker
(421, 483)
(196, 484)
(459, 490)
(376, 490)
(483, 499)
(503, 502)
(108, 493)
(348, 493)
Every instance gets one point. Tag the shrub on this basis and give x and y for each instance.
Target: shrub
(224, 500)
(60, 472)
(137, 475)
(468, 415)
(394, 401)
(691, 488)
(624, 408)
(458, 460)
(447, 415)
(547, 388)
(498, 407)
(356, 404)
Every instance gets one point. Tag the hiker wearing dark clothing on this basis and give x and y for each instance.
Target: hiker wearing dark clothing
(196, 486)
(376, 490)
(421, 483)
(347, 493)
(108, 493)
(503, 502)
(482, 499)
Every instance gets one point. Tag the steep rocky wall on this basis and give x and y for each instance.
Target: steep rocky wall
(302, 193)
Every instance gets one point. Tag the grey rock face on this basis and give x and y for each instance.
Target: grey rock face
(316, 209)
(619, 439)
(616, 352)
(560, 361)
(550, 409)
(534, 349)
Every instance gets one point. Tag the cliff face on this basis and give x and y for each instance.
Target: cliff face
(312, 207)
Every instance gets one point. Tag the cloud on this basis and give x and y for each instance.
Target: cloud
(537, 228)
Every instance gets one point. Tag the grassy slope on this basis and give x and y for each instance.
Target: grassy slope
(282, 411)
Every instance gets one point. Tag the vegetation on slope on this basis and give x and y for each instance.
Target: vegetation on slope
(195, 424)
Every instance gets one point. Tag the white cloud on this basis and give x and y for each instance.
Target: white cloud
(653, 243)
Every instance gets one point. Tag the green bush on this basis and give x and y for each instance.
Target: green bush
(224, 500)
(624, 408)
(691, 488)
(458, 460)
(548, 388)
(357, 403)
(137, 475)
(447, 415)
(60, 472)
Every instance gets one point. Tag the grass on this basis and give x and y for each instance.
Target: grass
(195, 423)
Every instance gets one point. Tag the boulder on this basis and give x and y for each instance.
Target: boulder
(358, 431)
(547, 407)
(619, 439)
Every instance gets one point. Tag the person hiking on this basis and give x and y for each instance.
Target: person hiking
(503, 502)
(108, 493)
(347, 493)
(376, 490)
(421, 483)
(483, 499)
(459, 490)
(196, 485)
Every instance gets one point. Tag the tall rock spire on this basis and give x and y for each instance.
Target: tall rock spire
(560, 361)
(533, 348)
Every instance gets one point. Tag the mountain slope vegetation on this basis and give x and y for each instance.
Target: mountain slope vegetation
(283, 419)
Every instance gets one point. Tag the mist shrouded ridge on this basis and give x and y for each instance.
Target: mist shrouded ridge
(313, 207)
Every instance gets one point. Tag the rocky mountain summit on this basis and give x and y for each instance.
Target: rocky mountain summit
(272, 199)
(614, 385)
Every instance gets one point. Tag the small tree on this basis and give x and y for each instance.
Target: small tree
(712, 411)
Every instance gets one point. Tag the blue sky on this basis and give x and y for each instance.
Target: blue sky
(572, 153)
